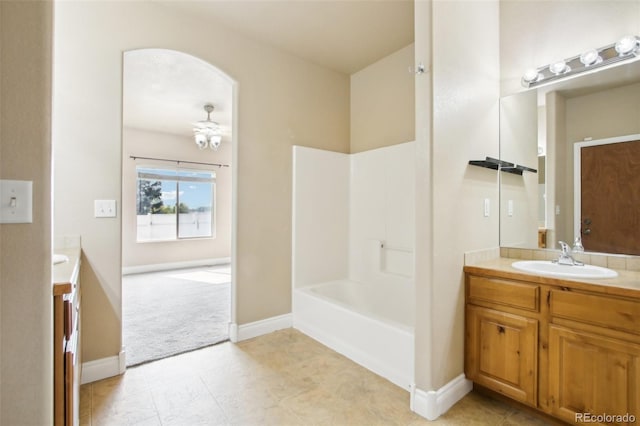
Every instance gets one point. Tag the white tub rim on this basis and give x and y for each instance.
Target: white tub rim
(308, 290)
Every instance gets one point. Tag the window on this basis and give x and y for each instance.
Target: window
(174, 204)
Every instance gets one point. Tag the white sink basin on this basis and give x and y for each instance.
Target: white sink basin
(548, 268)
(59, 258)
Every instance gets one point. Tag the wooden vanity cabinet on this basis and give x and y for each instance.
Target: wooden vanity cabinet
(66, 352)
(502, 336)
(594, 354)
(589, 373)
(502, 352)
(564, 350)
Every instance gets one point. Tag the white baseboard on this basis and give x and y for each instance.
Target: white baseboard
(156, 267)
(433, 404)
(103, 368)
(238, 333)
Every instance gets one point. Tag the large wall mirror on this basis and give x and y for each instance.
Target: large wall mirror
(582, 136)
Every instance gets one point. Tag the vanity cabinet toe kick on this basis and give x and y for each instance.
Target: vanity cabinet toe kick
(570, 351)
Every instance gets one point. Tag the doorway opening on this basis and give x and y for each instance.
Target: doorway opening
(178, 192)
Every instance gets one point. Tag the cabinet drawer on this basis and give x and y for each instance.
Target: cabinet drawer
(605, 311)
(503, 292)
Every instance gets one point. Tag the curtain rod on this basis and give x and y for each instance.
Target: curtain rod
(179, 161)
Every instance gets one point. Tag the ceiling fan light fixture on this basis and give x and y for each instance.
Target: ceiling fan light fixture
(207, 132)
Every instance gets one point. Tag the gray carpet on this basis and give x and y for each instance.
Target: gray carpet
(170, 312)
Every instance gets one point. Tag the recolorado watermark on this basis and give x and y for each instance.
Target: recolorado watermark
(604, 418)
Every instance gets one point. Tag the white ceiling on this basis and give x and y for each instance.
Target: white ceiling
(165, 91)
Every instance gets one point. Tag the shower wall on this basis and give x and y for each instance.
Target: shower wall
(320, 216)
(353, 215)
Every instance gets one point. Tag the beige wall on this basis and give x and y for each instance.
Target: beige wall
(604, 114)
(26, 356)
(423, 197)
(464, 127)
(518, 145)
(555, 133)
(383, 102)
(143, 143)
(282, 101)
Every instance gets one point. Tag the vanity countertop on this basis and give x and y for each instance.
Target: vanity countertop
(627, 283)
(65, 275)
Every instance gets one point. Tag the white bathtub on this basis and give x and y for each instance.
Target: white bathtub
(372, 324)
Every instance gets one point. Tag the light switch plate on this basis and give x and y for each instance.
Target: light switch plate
(105, 208)
(487, 207)
(16, 201)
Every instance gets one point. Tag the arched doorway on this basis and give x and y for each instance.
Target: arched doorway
(177, 204)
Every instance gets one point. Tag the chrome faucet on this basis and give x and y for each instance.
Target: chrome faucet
(566, 257)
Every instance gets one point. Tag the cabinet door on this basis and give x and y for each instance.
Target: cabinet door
(501, 352)
(591, 375)
(68, 392)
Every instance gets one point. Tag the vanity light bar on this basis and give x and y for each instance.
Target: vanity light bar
(625, 49)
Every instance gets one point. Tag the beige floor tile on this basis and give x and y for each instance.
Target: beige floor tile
(240, 405)
(85, 400)
(286, 384)
(180, 395)
(283, 378)
(126, 409)
(316, 405)
(476, 409)
(519, 418)
(354, 416)
(152, 421)
(85, 420)
(272, 416)
(196, 413)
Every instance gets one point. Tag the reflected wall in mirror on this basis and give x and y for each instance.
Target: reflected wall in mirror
(541, 129)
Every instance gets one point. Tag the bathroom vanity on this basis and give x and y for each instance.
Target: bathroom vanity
(569, 348)
(66, 336)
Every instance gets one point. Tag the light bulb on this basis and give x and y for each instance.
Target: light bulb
(559, 67)
(215, 142)
(590, 57)
(531, 75)
(201, 141)
(626, 45)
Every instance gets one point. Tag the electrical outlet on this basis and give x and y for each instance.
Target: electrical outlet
(105, 208)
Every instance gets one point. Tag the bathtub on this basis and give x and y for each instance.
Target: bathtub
(372, 324)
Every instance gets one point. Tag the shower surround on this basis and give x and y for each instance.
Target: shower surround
(353, 254)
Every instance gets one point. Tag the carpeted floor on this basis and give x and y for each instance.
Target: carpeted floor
(170, 312)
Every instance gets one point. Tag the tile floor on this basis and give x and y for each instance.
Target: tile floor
(283, 378)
